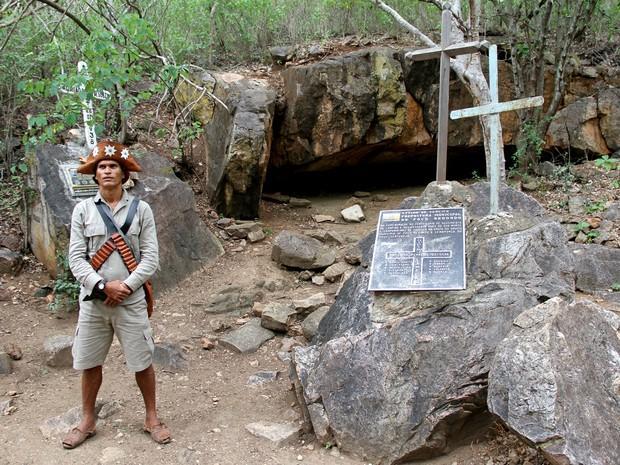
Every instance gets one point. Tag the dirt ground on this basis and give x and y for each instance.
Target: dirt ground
(207, 406)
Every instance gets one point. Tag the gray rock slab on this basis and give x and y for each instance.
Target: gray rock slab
(353, 214)
(232, 300)
(248, 338)
(555, 381)
(323, 218)
(280, 434)
(58, 351)
(276, 197)
(61, 424)
(300, 251)
(262, 377)
(276, 316)
(334, 272)
(241, 231)
(310, 325)
(294, 202)
(256, 236)
(597, 267)
(170, 357)
(310, 303)
(6, 364)
(10, 262)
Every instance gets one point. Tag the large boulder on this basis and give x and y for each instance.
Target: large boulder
(597, 267)
(608, 104)
(395, 376)
(233, 153)
(555, 381)
(297, 250)
(340, 106)
(577, 126)
(185, 243)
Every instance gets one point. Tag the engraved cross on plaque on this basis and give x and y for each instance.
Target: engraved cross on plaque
(492, 108)
(418, 255)
(445, 51)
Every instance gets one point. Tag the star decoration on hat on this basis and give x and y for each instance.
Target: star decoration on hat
(109, 150)
(95, 152)
(125, 154)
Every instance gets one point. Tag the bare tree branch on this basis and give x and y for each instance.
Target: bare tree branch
(457, 17)
(66, 12)
(404, 23)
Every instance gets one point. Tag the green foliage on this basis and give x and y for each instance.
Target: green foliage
(615, 287)
(66, 288)
(607, 163)
(529, 148)
(595, 207)
(615, 184)
(582, 226)
(585, 228)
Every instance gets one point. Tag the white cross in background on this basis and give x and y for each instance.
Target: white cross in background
(87, 107)
(88, 110)
(493, 108)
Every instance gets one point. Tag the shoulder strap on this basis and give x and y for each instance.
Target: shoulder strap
(104, 211)
(131, 213)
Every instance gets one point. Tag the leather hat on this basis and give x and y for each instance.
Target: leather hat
(108, 150)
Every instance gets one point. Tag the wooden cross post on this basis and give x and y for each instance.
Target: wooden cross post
(444, 51)
(494, 108)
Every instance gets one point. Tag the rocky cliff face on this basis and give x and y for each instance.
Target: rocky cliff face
(360, 109)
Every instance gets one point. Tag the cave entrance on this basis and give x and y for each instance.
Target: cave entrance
(375, 174)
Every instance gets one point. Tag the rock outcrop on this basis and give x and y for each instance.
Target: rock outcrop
(555, 381)
(185, 243)
(394, 376)
(233, 153)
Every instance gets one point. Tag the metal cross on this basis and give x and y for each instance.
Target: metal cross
(493, 108)
(444, 51)
(418, 255)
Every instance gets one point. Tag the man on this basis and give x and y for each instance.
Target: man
(112, 299)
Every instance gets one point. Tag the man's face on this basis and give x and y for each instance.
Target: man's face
(109, 173)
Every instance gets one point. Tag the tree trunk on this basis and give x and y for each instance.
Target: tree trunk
(468, 69)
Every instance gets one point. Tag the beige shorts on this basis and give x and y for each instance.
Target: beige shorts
(96, 327)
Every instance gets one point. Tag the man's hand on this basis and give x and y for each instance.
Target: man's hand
(116, 292)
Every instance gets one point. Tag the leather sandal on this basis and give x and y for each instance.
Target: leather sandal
(159, 433)
(76, 437)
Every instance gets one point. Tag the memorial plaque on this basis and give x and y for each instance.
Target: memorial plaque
(419, 249)
(80, 185)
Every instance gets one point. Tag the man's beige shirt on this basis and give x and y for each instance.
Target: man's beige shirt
(88, 234)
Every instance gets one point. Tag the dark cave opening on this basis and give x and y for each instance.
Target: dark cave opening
(376, 174)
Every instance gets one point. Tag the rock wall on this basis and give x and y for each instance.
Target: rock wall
(233, 153)
(361, 109)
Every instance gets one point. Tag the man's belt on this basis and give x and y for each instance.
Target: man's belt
(116, 242)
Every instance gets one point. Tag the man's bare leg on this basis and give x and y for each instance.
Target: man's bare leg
(158, 431)
(146, 383)
(91, 382)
